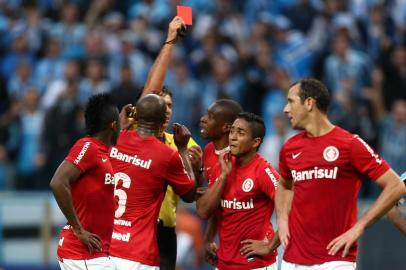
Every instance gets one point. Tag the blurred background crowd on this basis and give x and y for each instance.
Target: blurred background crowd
(54, 54)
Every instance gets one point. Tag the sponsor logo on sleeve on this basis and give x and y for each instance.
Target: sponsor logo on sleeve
(331, 153)
(272, 177)
(247, 185)
(82, 153)
(370, 150)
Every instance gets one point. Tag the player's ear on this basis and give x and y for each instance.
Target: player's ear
(114, 125)
(227, 127)
(310, 104)
(257, 142)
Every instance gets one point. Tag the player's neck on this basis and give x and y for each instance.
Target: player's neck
(318, 125)
(103, 137)
(221, 143)
(245, 159)
(148, 129)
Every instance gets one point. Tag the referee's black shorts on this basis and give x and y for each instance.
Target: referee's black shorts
(167, 246)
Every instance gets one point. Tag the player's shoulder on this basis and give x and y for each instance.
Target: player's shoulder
(264, 168)
(346, 137)
(262, 164)
(295, 139)
(89, 144)
(126, 135)
(209, 148)
(343, 133)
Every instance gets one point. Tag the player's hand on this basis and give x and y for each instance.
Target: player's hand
(211, 253)
(195, 155)
(283, 231)
(255, 247)
(127, 116)
(91, 240)
(225, 163)
(181, 135)
(345, 241)
(174, 26)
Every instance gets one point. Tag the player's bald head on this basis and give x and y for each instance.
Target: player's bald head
(151, 108)
(227, 109)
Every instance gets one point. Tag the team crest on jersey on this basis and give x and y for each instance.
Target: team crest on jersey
(247, 185)
(331, 153)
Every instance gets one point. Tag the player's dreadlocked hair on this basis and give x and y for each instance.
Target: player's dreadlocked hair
(100, 112)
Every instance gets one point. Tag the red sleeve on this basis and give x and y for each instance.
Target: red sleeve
(82, 155)
(177, 176)
(268, 179)
(283, 166)
(365, 160)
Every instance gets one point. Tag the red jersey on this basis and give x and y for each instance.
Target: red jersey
(326, 171)
(93, 199)
(144, 167)
(247, 205)
(211, 163)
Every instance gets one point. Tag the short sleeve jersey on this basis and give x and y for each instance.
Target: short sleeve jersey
(326, 173)
(93, 199)
(247, 205)
(144, 167)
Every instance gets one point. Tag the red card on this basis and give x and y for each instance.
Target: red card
(185, 13)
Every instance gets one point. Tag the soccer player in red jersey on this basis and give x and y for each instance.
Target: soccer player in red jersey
(321, 169)
(83, 186)
(215, 127)
(144, 167)
(244, 194)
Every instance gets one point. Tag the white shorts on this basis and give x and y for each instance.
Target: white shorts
(334, 265)
(101, 263)
(273, 266)
(123, 264)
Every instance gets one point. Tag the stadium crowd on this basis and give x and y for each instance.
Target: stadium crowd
(55, 54)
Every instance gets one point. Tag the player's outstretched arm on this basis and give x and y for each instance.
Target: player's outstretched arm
(210, 200)
(156, 76)
(392, 190)
(283, 202)
(395, 216)
(64, 176)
